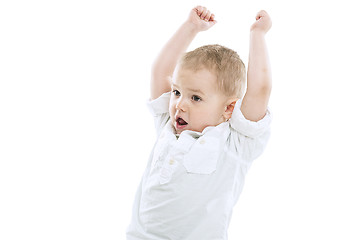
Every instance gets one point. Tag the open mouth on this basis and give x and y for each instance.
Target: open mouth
(181, 123)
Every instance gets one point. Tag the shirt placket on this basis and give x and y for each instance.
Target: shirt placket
(175, 154)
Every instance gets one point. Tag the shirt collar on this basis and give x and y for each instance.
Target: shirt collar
(215, 134)
(219, 131)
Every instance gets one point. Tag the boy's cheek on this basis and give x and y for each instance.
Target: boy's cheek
(171, 109)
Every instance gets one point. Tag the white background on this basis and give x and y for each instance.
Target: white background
(75, 133)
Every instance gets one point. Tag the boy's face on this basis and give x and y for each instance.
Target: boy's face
(196, 103)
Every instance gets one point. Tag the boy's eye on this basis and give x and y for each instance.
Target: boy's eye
(176, 92)
(196, 98)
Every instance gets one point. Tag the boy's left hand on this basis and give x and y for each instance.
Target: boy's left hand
(263, 22)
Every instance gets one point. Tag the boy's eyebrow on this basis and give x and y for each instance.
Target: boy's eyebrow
(190, 89)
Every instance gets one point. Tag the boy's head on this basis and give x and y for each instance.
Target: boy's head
(205, 86)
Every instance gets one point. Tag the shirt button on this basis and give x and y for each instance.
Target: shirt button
(202, 141)
(171, 162)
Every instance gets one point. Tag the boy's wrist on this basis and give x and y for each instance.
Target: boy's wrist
(191, 27)
(258, 32)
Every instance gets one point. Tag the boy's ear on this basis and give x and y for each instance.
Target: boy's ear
(229, 108)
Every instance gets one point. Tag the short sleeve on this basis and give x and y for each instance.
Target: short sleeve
(159, 108)
(246, 127)
(248, 138)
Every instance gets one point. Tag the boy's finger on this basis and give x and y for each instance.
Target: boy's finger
(260, 14)
(208, 16)
(212, 17)
(199, 10)
(204, 13)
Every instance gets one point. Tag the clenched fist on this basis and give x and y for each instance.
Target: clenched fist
(201, 18)
(263, 22)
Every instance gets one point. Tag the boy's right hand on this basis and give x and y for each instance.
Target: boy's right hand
(201, 18)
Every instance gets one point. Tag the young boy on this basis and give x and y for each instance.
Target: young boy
(207, 135)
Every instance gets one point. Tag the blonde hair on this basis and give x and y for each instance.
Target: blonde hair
(223, 62)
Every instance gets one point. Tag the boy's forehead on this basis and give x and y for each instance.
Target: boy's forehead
(201, 80)
(194, 76)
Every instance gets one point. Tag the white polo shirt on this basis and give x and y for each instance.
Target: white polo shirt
(192, 182)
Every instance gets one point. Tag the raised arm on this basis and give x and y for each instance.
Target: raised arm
(199, 19)
(259, 80)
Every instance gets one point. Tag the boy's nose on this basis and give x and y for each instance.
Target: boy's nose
(181, 105)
